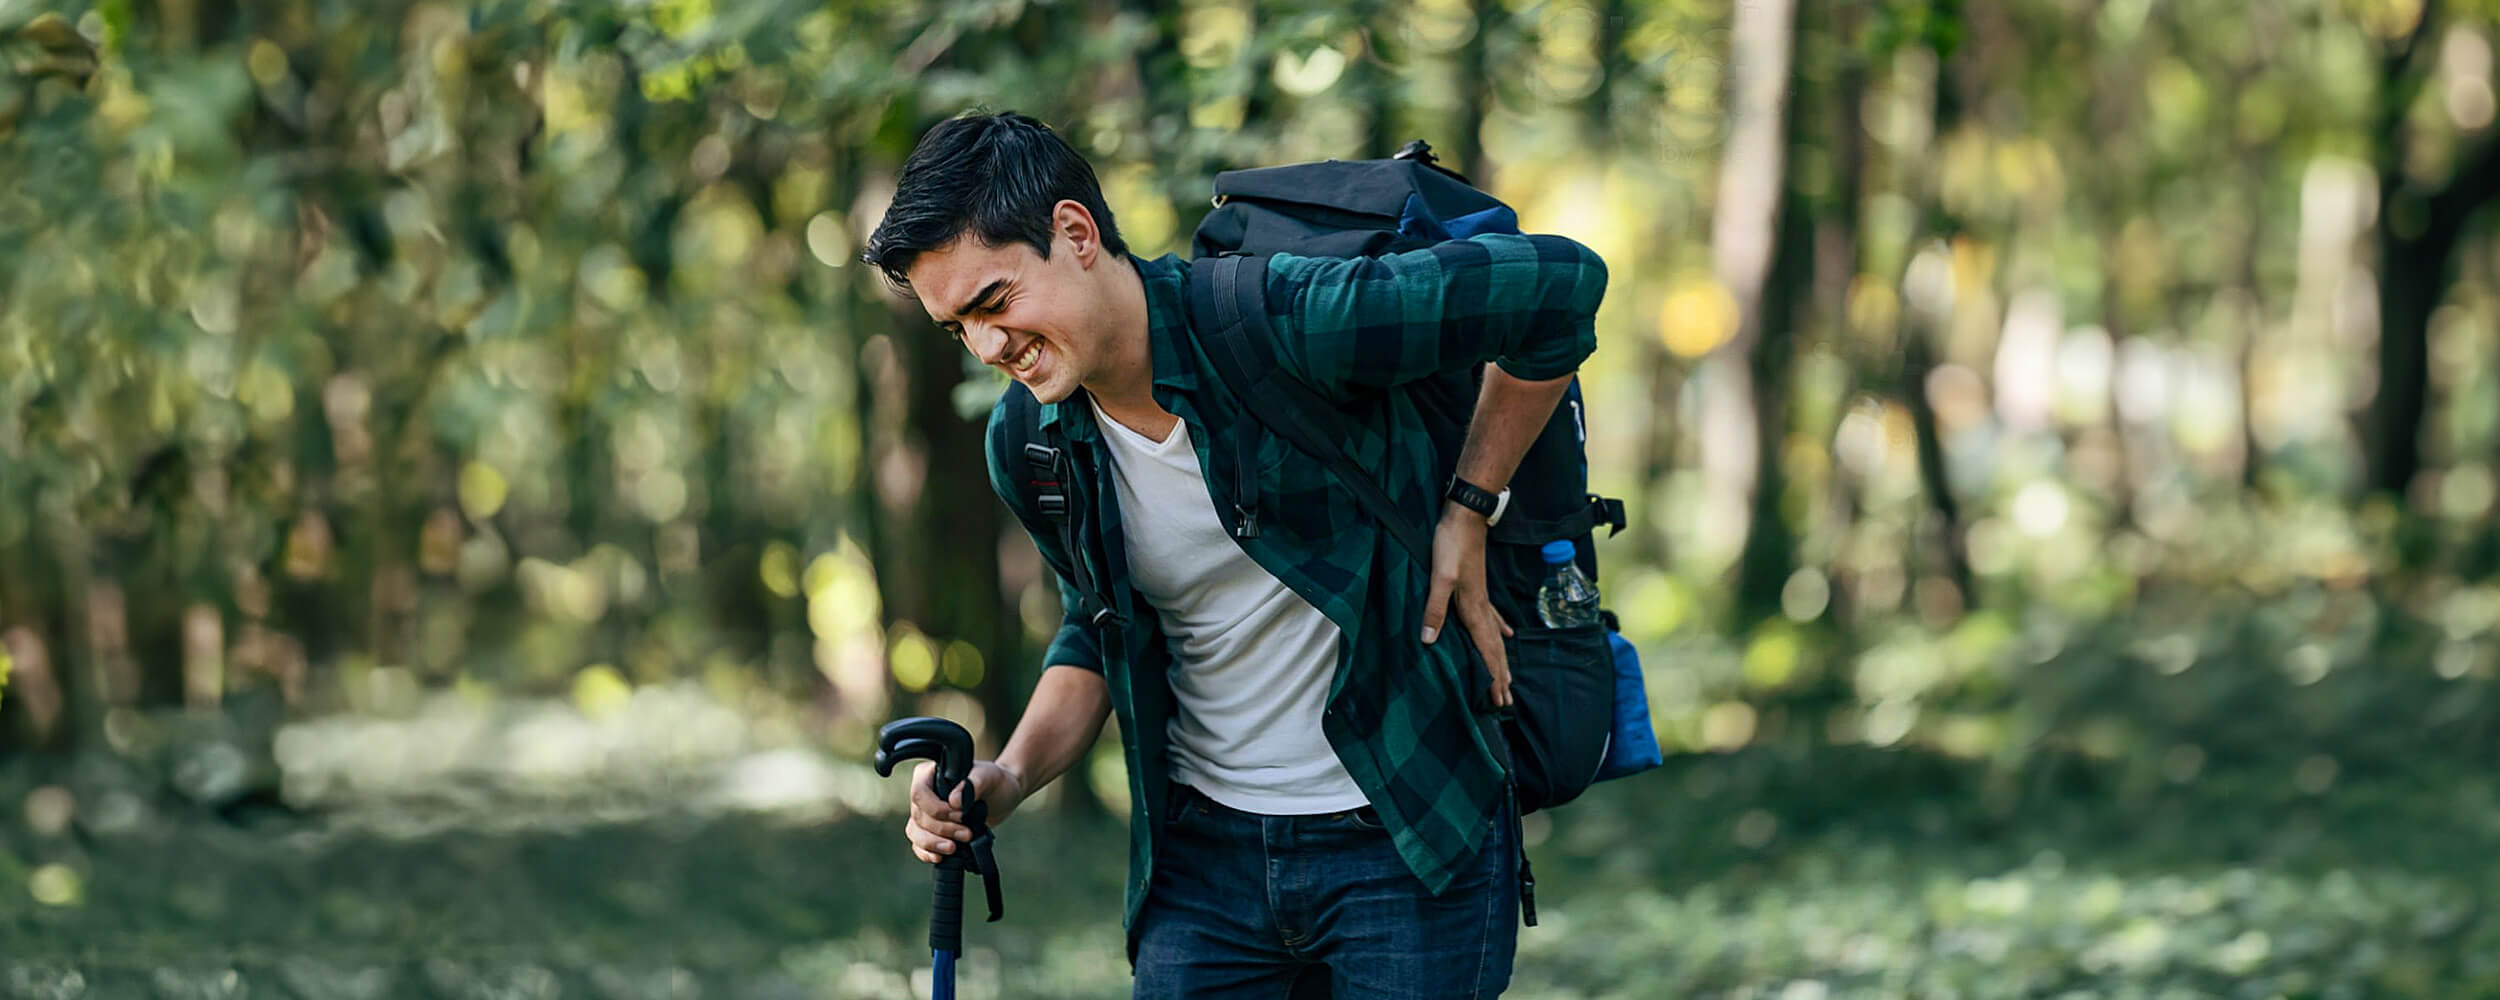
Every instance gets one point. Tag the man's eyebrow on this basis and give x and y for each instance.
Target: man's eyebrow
(987, 292)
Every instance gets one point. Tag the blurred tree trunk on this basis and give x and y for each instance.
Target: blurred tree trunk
(2252, 325)
(1658, 445)
(2111, 186)
(934, 550)
(1926, 311)
(1156, 83)
(2419, 227)
(1598, 111)
(1264, 108)
(2118, 325)
(2409, 266)
(1838, 248)
(1464, 152)
(1663, 371)
(84, 678)
(1761, 241)
(46, 703)
(1372, 85)
(2251, 160)
(1918, 360)
(932, 524)
(1920, 328)
(931, 519)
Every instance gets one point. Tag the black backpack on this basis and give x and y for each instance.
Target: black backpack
(1580, 715)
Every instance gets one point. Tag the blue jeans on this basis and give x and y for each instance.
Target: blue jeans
(1272, 907)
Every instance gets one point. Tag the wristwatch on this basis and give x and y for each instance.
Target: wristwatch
(1479, 499)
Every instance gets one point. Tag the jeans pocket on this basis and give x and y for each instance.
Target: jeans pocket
(1175, 806)
(1185, 807)
(1365, 819)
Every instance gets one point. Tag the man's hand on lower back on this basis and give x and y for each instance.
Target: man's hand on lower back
(1458, 585)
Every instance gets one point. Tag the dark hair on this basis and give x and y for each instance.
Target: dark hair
(996, 175)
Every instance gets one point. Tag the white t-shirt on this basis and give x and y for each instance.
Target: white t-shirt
(1252, 660)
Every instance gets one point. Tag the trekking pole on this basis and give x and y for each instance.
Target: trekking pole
(947, 744)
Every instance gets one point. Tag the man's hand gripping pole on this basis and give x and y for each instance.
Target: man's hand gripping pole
(950, 747)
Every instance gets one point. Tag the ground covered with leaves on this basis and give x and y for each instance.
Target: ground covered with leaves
(1836, 873)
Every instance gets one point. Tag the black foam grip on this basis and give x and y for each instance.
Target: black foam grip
(946, 911)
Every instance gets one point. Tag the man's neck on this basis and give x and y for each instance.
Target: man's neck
(1125, 388)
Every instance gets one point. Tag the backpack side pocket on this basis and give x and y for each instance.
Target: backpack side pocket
(1562, 683)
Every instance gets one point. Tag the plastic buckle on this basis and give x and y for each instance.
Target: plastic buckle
(1043, 458)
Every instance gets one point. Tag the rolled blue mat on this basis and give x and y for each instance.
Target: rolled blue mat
(1634, 746)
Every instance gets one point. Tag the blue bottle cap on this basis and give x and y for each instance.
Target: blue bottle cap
(1558, 553)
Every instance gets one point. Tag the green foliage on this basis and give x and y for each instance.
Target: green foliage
(1835, 873)
(373, 351)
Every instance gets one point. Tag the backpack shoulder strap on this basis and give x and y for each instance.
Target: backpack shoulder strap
(1047, 485)
(1228, 296)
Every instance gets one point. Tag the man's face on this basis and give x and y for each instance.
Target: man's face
(1035, 319)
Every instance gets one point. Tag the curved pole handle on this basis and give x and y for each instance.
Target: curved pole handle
(940, 740)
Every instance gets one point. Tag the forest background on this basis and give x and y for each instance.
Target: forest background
(464, 510)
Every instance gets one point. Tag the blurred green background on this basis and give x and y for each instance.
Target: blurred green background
(464, 509)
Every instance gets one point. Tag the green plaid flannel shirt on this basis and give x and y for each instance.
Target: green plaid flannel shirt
(1398, 712)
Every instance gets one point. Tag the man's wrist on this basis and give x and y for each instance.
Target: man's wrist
(1015, 777)
(1488, 503)
(1453, 508)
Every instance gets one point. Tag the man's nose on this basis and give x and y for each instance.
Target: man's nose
(986, 342)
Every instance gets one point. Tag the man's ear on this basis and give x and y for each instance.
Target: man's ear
(1070, 221)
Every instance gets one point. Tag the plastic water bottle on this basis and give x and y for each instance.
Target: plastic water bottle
(1567, 599)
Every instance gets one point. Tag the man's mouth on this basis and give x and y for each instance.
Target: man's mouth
(1022, 361)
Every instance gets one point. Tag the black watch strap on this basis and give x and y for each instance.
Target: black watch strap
(1473, 497)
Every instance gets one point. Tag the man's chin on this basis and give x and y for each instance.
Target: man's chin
(1051, 391)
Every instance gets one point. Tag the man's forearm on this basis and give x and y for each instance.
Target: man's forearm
(1510, 413)
(1061, 722)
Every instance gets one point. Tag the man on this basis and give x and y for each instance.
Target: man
(1314, 800)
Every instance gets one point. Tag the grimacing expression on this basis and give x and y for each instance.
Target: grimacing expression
(1032, 318)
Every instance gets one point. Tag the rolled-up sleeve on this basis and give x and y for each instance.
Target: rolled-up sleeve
(1527, 303)
(1076, 645)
